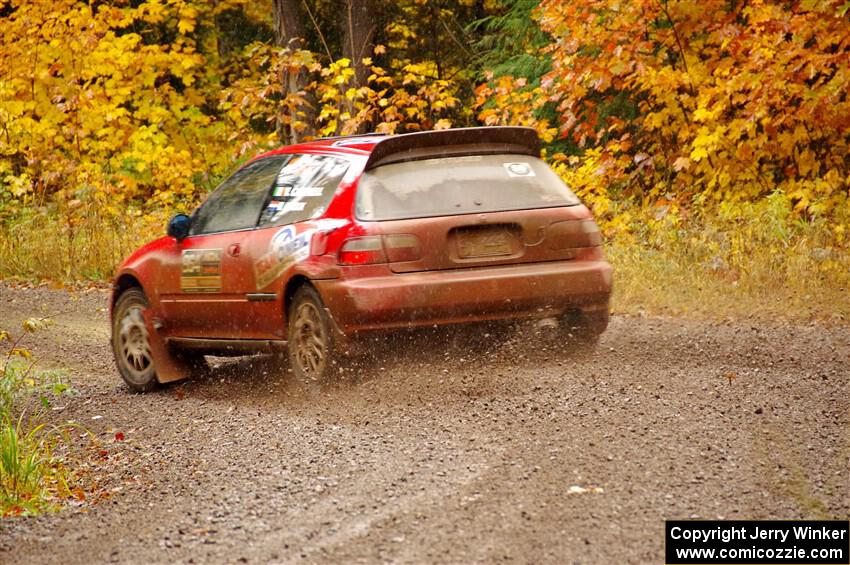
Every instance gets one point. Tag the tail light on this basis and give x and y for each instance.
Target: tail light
(402, 248)
(362, 251)
(573, 234)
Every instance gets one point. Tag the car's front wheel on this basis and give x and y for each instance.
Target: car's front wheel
(310, 338)
(131, 342)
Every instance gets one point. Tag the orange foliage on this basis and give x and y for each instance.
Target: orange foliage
(509, 100)
(721, 99)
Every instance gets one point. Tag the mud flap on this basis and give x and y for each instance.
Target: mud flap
(168, 369)
(343, 344)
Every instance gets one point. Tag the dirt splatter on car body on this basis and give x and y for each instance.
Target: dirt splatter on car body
(311, 245)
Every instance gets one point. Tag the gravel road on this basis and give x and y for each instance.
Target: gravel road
(445, 451)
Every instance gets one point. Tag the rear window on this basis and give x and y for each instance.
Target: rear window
(460, 185)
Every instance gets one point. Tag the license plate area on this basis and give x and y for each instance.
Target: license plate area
(473, 242)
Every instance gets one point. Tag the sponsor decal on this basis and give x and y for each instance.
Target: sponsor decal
(200, 270)
(519, 169)
(305, 191)
(285, 249)
(293, 207)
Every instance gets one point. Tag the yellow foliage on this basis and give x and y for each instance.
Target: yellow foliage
(411, 100)
(509, 101)
(108, 115)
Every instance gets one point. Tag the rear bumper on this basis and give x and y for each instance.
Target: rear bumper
(466, 295)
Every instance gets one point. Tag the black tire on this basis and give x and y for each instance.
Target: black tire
(583, 329)
(131, 343)
(195, 361)
(310, 339)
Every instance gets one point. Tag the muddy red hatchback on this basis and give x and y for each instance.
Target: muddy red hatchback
(309, 246)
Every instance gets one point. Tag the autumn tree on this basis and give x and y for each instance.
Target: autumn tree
(288, 23)
(94, 108)
(721, 99)
(290, 35)
(360, 21)
(511, 62)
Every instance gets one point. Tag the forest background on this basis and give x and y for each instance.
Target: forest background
(711, 138)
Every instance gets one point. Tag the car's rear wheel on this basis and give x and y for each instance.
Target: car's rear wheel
(195, 361)
(131, 342)
(584, 328)
(310, 339)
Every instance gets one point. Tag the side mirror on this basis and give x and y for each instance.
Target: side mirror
(178, 227)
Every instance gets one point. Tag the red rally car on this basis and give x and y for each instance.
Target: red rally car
(308, 246)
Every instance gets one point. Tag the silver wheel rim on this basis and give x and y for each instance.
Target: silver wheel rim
(311, 341)
(134, 345)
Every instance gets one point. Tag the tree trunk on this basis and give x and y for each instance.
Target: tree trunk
(290, 33)
(288, 23)
(359, 23)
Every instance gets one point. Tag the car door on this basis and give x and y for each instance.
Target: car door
(208, 277)
(301, 194)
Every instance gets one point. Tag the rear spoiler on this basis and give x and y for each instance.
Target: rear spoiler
(454, 143)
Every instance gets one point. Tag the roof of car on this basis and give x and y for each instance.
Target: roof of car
(362, 143)
(384, 149)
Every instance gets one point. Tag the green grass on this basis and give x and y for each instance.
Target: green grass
(33, 478)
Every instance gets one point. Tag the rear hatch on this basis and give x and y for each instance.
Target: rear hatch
(473, 211)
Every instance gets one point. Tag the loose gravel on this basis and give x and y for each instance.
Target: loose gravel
(441, 448)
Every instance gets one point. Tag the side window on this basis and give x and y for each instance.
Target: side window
(303, 189)
(237, 202)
